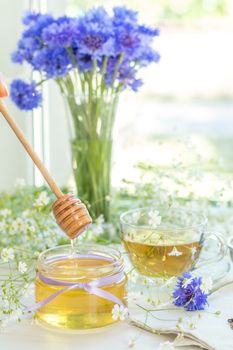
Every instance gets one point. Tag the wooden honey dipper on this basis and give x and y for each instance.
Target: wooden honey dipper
(70, 213)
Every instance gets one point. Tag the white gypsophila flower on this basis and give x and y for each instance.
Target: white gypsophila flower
(19, 225)
(20, 183)
(25, 213)
(206, 285)
(193, 252)
(22, 267)
(31, 228)
(42, 200)
(167, 345)
(175, 252)
(154, 218)
(188, 324)
(7, 254)
(5, 212)
(3, 226)
(119, 312)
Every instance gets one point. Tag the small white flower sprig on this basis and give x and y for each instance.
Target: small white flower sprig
(26, 228)
(26, 220)
(120, 312)
(15, 283)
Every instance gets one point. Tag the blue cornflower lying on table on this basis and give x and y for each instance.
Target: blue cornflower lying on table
(191, 292)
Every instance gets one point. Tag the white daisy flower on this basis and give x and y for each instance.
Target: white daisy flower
(22, 267)
(42, 200)
(193, 252)
(119, 312)
(175, 252)
(207, 284)
(154, 218)
(7, 254)
(167, 345)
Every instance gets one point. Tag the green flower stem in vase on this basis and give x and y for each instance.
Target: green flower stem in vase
(92, 114)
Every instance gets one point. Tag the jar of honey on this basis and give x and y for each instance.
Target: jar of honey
(77, 287)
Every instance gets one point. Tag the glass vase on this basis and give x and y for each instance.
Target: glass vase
(92, 116)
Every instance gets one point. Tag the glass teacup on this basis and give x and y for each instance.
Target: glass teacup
(166, 242)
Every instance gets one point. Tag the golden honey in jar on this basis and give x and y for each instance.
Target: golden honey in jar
(71, 286)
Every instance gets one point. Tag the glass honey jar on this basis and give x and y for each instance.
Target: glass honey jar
(77, 287)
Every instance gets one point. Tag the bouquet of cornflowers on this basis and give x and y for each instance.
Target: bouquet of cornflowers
(92, 58)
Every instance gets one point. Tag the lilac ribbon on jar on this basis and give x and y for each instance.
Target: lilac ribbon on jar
(92, 287)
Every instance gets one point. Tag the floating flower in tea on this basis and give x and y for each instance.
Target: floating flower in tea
(175, 252)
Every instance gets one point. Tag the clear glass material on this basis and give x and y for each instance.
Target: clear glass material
(166, 242)
(92, 109)
(78, 309)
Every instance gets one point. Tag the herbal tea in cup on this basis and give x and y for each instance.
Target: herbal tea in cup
(166, 242)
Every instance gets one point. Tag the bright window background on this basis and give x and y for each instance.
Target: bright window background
(184, 112)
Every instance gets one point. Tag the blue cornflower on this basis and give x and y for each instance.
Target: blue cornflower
(25, 96)
(189, 293)
(147, 56)
(99, 17)
(128, 41)
(55, 62)
(35, 29)
(126, 75)
(30, 17)
(94, 34)
(26, 50)
(149, 31)
(54, 46)
(85, 62)
(94, 42)
(123, 15)
(59, 34)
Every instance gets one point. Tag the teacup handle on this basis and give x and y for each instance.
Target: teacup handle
(222, 244)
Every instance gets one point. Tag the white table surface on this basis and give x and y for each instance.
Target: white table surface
(26, 336)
